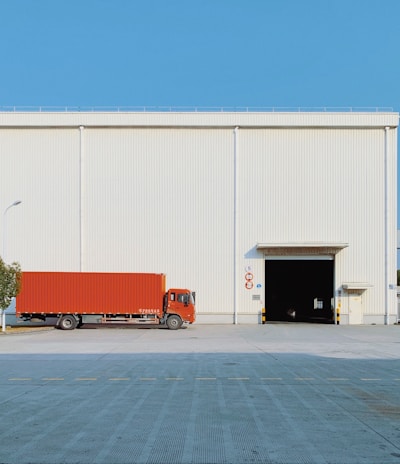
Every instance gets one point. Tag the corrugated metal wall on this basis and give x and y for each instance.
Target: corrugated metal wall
(320, 185)
(152, 197)
(160, 200)
(40, 167)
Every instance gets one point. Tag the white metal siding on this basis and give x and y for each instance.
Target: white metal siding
(40, 168)
(179, 119)
(318, 185)
(155, 193)
(160, 200)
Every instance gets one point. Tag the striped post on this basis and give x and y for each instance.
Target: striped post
(263, 314)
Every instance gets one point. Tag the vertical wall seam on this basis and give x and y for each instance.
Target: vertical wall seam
(81, 194)
(235, 220)
(386, 218)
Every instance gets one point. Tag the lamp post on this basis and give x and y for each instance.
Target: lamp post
(3, 313)
(17, 202)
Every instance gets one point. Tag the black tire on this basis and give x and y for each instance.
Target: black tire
(68, 322)
(174, 322)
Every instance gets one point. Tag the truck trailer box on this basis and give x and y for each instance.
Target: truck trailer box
(90, 293)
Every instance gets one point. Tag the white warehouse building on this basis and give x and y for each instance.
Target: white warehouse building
(267, 216)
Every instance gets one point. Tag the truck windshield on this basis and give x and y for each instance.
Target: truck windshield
(186, 298)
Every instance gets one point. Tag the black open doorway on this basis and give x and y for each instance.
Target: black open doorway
(299, 290)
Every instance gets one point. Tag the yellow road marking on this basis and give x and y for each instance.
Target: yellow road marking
(148, 378)
(304, 378)
(119, 378)
(336, 378)
(53, 378)
(238, 378)
(368, 379)
(174, 378)
(271, 378)
(20, 378)
(83, 379)
(206, 378)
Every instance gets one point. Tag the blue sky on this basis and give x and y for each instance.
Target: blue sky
(230, 53)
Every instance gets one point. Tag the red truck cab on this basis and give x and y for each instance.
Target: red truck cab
(180, 302)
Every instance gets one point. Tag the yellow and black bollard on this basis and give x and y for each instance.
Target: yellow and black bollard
(263, 316)
(338, 314)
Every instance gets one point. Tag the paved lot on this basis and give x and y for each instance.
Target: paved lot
(278, 393)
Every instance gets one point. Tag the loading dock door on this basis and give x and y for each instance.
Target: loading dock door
(298, 289)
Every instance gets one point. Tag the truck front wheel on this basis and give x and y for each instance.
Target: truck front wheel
(67, 322)
(174, 322)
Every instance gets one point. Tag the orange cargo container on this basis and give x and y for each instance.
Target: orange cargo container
(76, 298)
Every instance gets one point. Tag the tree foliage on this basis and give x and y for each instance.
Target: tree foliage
(10, 283)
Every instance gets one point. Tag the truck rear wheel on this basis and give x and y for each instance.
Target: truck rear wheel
(174, 322)
(67, 322)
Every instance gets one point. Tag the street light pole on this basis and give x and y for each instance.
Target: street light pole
(17, 202)
(3, 313)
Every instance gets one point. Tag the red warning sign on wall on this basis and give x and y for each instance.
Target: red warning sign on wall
(249, 280)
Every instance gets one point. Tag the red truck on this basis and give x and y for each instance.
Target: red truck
(76, 298)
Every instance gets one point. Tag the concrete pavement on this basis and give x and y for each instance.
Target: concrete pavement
(277, 393)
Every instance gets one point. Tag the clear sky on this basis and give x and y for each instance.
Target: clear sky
(229, 53)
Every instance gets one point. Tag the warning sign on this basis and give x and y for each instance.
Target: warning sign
(249, 280)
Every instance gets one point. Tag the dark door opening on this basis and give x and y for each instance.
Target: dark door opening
(299, 290)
